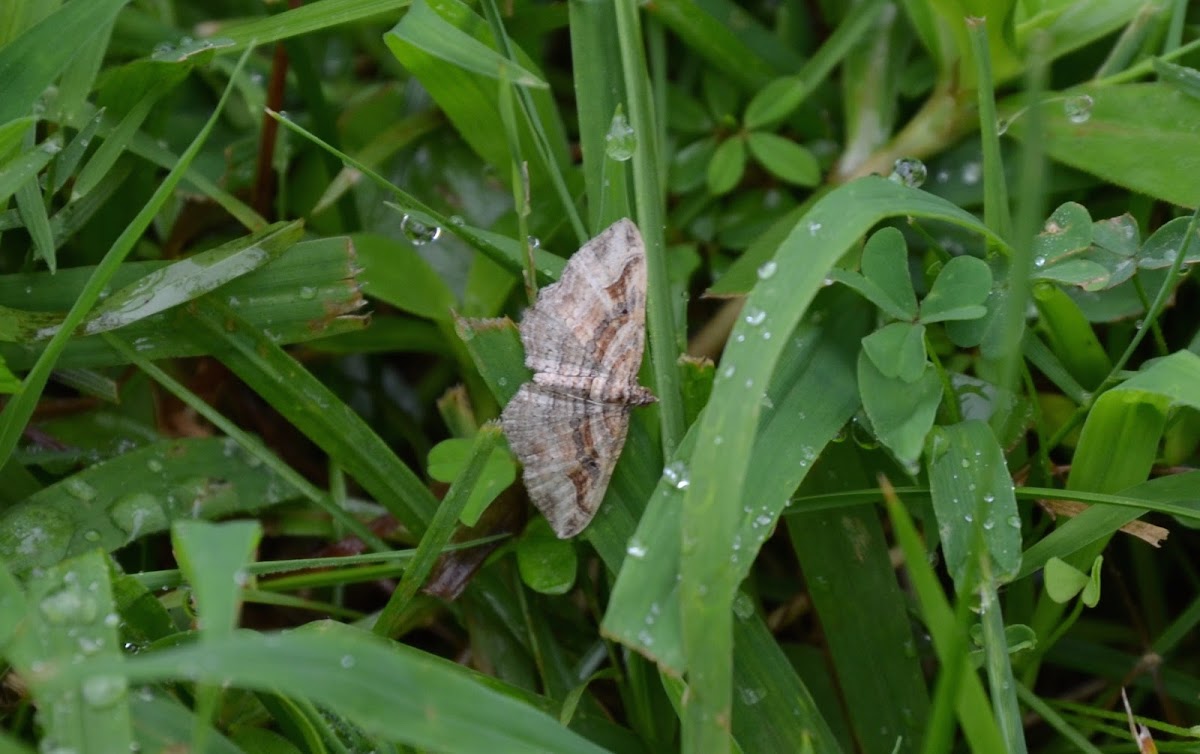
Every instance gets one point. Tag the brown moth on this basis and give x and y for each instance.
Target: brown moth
(583, 339)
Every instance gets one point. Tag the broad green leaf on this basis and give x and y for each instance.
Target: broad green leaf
(897, 350)
(1083, 273)
(127, 497)
(1165, 244)
(449, 458)
(727, 165)
(901, 412)
(395, 272)
(872, 292)
(1064, 581)
(547, 564)
(958, 291)
(784, 158)
(12, 136)
(846, 561)
(1117, 234)
(885, 265)
(775, 101)
(1067, 232)
(689, 165)
(972, 494)
(1135, 135)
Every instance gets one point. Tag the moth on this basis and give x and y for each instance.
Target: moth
(583, 340)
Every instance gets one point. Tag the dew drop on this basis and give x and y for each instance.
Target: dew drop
(138, 513)
(971, 173)
(635, 549)
(621, 140)
(755, 316)
(417, 232)
(1078, 108)
(36, 532)
(767, 269)
(909, 171)
(676, 474)
(80, 489)
(103, 690)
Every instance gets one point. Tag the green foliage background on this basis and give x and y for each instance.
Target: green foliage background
(920, 322)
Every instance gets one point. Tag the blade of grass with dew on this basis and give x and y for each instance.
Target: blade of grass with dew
(501, 249)
(308, 293)
(666, 337)
(32, 207)
(18, 171)
(441, 527)
(549, 148)
(712, 503)
(113, 503)
(162, 723)
(66, 619)
(19, 410)
(599, 89)
(304, 19)
(191, 277)
(396, 692)
(31, 62)
(254, 448)
(315, 411)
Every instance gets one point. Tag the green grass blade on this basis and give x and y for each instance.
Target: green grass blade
(213, 558)
(721, 459)
(31, 62)
(135, 494)
(66, 619)
(395, 692)
(665, 340)
(316, 412)
(441, 527)
(18, 411)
